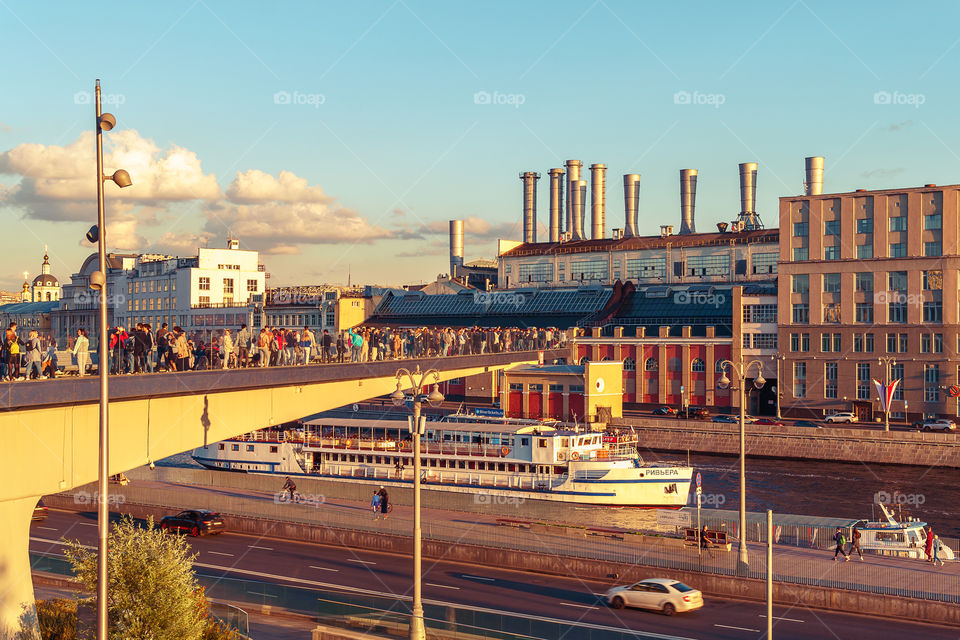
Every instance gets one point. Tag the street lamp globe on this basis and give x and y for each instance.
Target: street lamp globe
(724, 381)
(435, 398)
(759, 381)
(397, 396)
(122, 178)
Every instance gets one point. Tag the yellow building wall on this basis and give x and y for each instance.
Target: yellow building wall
(603, 388)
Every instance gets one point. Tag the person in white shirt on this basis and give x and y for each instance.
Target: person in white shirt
(226, 348)
(81, 349)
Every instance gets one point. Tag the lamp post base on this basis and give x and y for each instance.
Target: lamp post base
(743, 561)
(417, 630)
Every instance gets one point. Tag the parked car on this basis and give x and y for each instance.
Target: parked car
(773, 422)
(661, 594)
(39, 512)
(693, 413)
(196, 522)
(848, 417)
(664, 411)
(935, 424)
(727, 419)
(807, 423)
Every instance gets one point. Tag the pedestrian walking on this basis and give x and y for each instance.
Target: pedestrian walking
(32, 356)
(81, 349)
(929, 547)
(855, 543)
(384, 502)
(375, 505)
(244, 338)
(840, 540)
(937, 545)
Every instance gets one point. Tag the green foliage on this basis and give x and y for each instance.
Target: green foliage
(57, 619)
(152, 590)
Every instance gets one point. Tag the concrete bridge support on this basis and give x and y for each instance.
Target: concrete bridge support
(16, 581)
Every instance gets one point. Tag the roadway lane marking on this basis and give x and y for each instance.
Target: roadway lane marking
(360, 561)
(47, 528)
(725, 626)
(253, 546)
(220, 553)
(323, 568)
(88, 524)
(763, 615)
(442, 586)
(478, 578)
(582, 606)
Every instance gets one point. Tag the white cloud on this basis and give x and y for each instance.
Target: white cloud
(256, 186)
(182, 243)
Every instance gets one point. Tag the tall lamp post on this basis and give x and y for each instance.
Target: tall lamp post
(98, 281)
(886, 361)
(416, 380)
(779, 358)
(743, 562)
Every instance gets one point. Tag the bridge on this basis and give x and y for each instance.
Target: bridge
(50, 428)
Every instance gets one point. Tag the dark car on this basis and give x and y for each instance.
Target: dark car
(728, 419)
(664, 411)
(39, 512)
(693, 413)
(807, 423)
(196, 522)
(770, 422)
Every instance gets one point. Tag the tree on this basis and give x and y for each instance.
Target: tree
(152, 592)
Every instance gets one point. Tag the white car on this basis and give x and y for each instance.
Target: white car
(844, 416)
(661, 594)
(941, 424)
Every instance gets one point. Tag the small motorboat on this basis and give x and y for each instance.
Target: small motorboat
(907, 539)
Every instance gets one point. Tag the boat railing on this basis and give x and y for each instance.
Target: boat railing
(406, 446)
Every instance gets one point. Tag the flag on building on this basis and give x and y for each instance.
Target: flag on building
(886, 391)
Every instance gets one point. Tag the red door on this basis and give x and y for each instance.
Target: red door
(515, 410)
(535, 405)
(556, 406)
(576, 406)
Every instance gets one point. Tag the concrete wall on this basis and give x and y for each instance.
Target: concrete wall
(803, 443)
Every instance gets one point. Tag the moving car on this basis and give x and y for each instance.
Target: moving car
(661, 594)
(664, 411)
(725, 418)
(39, 512)
(935, 424)
(693, 413)
(196, 522)
(768, 421)
(848, 417)
(807, 423)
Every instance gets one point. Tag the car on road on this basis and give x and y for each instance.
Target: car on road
(807, 423)
(664, 411)
(768, 421)
(935, 424)
(196, 522)
(693, 413)
(725, 418)
(39, 512)
(660, 594)
(847, 417)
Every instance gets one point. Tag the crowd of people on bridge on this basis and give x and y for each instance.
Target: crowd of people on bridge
(141, 349)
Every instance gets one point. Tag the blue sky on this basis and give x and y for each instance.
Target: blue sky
(382, 140)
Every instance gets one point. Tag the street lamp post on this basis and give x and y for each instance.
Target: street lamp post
(779, 358)
(743, 562)
(416, 379)
(98, 280)
(886, 361)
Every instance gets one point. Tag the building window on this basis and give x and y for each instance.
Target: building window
(891, 343)
(638, 268)
(801, 229)
(903, 342)
(863, 381)
(204, 301)
(535, 272)
(588, 270)
(801, 254)
(865, 225)
(831, 312)
(831, 253)
(932, 249)
(673, 364)
(868, 342)
(864, 251)
(697, 366)
(933, 222)
(252, 286)
(931, 383)
(864, 282)
(829, 342)
(933, 280)
(938, 343)
(898, 223)
(746, 340)
(898, 250)
(651, 365)
(764, 341)
(228, 285)
(800, 342)
(933, 312)
(864, 312)
(801, 282)
(204, 284)
(897, 280)
(925, 343)
(896, 373)
(830, 380)
(831, 283)
(629, 364)
(765, 262)
(708, 265)
(760, 313)
(801, 313)
(799, 379)
(897, 312)
(831, 227)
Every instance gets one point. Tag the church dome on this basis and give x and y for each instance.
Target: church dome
(46, 280)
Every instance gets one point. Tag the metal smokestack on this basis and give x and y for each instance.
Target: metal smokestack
(688, 200)
(529, 205)
(578, 193)
(631, 204)
(598, 207)
(573, 176)
(814, 183)
(556, 204)
(456, 246)
(748, 194)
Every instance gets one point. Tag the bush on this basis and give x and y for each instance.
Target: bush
(57, 619)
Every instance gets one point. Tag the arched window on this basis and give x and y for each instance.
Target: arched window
(697, 366)
(673, 364)
(629, 364)
(651, 365)
(606, 359)
(584, 360)
(719, 368)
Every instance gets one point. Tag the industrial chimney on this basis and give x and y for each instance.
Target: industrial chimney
(529, 205)
(456, 247)
(573, 176)
(813, 186)
(748, 195)
(556, 204)
(578, 194)
(688, 200)
(598, 177)
(631, 203)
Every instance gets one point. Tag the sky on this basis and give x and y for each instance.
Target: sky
(341, 137)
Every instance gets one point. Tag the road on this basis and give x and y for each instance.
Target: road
(568, 599)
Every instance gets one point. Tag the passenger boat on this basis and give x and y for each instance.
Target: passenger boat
(907, 539)
(497, 458)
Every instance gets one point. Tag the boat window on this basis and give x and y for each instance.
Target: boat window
(473, 465)
(249, 447)
(443, 464)
(273, 449)
(221, 446)
(353, 458)
(462, 464)
(524, 442)
(889, 536)
(559, 470)
(235, 447)
(564, 442)
(501, 466)
(447, 437)
(511, 468)
(542, 443)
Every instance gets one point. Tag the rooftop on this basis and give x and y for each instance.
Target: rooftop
(770, 236)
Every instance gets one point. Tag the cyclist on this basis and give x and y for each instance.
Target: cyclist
(289, 485)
